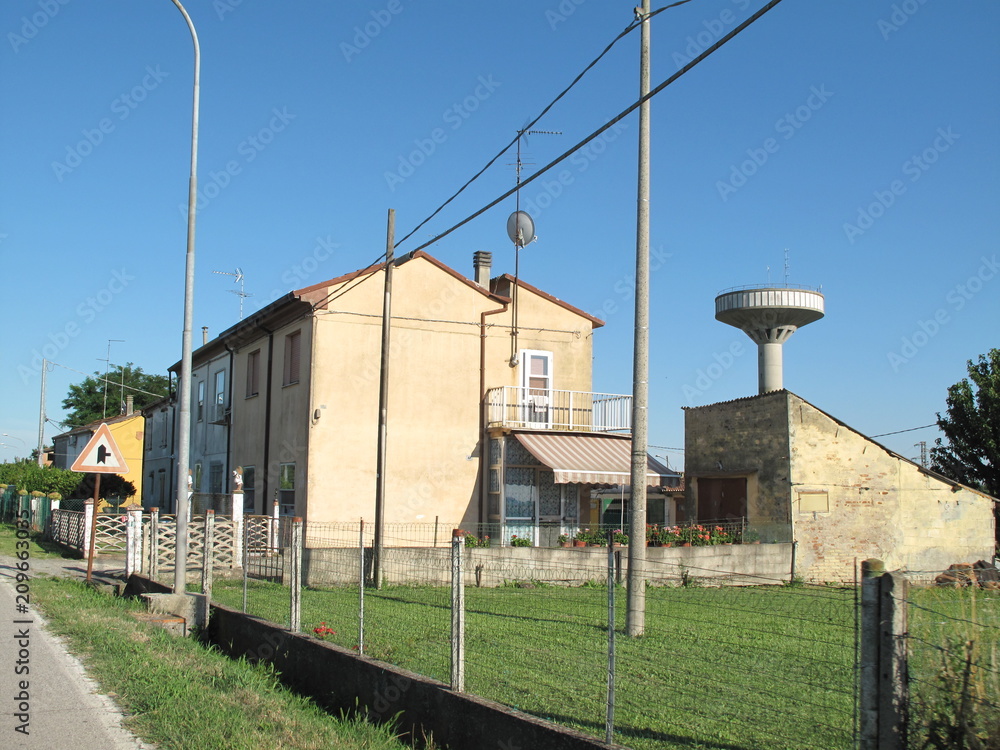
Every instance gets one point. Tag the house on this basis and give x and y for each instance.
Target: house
(799, 474)
(128, 433)
(158, 454)
(490, 411)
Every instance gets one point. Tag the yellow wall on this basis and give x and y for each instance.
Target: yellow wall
(128, 435)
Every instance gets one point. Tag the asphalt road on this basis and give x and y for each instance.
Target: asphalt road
(48, 701)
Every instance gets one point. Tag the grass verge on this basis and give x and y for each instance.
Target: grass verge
(178, 693)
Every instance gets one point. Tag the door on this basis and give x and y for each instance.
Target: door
(536, 388)
(721, 498)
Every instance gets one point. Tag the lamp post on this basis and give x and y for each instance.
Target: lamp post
(184, 381)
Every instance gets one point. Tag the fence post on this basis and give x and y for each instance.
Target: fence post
(133, 540)
(237, 527)
(88, 522)
(883, 658)
(457, 614)
(272, 528)
(246, 563)
(208, 555)
(154, 542)
(361, 589)
(52, 515)
(295, 577)
(609, 720)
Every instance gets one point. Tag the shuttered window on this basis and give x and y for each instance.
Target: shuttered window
(253, 373)
(293, 345)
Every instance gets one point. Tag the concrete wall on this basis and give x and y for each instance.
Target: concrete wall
(853, 499)
(743, 564)
(340, 680)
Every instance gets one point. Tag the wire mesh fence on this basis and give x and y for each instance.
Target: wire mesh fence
(953, 657)
(734, 660)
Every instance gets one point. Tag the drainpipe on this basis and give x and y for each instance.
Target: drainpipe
(267, 418)
(229, 427)
(484, 440)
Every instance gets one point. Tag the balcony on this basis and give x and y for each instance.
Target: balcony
(535, 409)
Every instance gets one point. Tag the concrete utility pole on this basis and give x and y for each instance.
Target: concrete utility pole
(184, 381)
(635, 619)
(383, 403)
(41, 416)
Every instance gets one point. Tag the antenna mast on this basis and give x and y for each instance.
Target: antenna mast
(238, 279)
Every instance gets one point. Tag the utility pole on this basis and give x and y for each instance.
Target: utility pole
(41, 415)
(383, 403)
(635, 618)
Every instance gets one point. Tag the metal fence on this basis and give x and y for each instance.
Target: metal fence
(952, 639)
(735, 660)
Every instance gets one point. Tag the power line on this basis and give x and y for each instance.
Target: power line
(911, 429)
(611, 123)
(104, 380)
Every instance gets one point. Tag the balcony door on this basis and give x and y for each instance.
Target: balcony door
(536, 388)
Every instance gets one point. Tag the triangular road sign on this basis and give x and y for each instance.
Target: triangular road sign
(101, 456)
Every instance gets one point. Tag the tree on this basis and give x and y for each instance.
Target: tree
(30, 477)
(971, 427)
(94, 398)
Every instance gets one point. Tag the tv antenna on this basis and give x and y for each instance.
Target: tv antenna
(521, 230)
(238, 279)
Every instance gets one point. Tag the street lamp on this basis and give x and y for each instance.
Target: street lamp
(184, 381)
(14, 437)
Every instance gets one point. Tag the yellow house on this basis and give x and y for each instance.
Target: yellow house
(476, 366)
(127, 431)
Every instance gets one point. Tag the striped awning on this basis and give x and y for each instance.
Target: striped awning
(591, 459)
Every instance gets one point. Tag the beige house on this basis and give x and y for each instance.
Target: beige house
(304, 406)
(798, 474)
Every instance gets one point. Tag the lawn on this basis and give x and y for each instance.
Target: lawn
(724, 668)
(178, 693)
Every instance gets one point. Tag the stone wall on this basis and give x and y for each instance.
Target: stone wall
(744, 564)
(743, 438)
(854, 499)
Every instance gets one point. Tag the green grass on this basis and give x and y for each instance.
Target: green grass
(37, 548)
(178, 693)
(955, 668)
(718, 667)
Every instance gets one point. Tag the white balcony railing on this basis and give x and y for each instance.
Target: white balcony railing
(530, 408)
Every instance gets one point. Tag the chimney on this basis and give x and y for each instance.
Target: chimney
(204, 335)
(129, 404)
(482, 262)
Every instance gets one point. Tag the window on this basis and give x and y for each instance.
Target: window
(536, 387)
(249, 491)
(161, 489)
(293, 345)
(286, 489)
(220, 395)
(197, 477)
(215, 477)
(201, 400)
(253, 373)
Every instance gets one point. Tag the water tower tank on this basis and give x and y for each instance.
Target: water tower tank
(769, 315)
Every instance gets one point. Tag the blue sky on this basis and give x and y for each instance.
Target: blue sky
(860, 136)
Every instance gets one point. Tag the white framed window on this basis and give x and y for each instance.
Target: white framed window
(536, 387)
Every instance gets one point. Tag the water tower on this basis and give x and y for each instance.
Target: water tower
(769, 315)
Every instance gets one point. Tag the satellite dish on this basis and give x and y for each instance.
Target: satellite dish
(520, 228)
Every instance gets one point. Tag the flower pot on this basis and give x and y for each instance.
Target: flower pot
(668, 544)
(686, 544)
(565, 544)
(579, 543)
